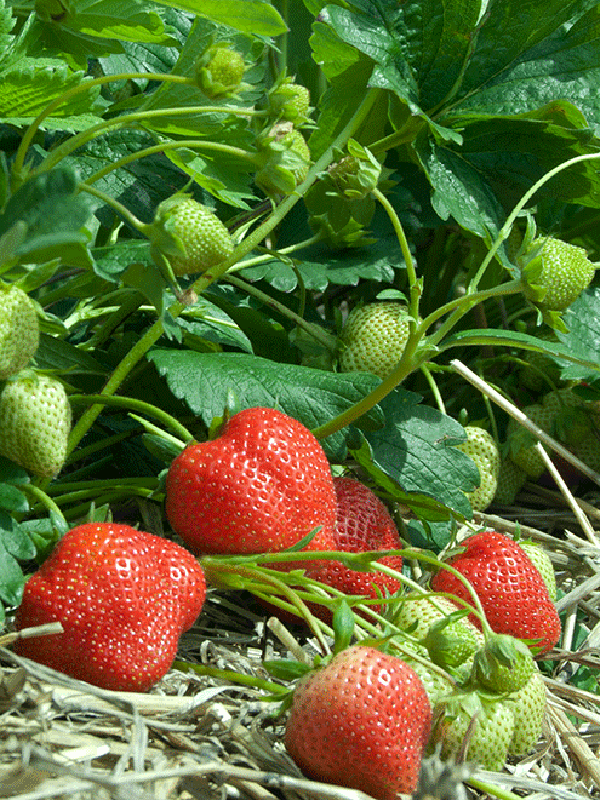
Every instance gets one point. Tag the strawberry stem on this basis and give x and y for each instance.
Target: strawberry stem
(415, 288)
(234, 677)
(99, 81)
(317, 333)
(40, 496)
(170, 423)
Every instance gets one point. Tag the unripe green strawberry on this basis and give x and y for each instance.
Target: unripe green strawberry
(283, 160)
(486, 725)
(289, 101)
(576, 423)
(522, 444)
(374, 337)
(452, 649)
(541, 561)
(19, 330)
(511, 480)
(219, 71)
(437, 684)
(541, 370)
(190, 235)
(556, 273)
(35, 420)
(482, 448)
(503, 665)
(452, 641)
(417, 615)
(528, 706)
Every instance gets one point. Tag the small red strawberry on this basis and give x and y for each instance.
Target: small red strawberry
(362, 722)
(363, 523)
(511, 590)
(123, 596)
(262, 485)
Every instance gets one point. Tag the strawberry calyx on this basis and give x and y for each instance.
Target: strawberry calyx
(219, 71)
(289, 101)
(283, 159)
(555, 273)
(503, 665)
(450, 642)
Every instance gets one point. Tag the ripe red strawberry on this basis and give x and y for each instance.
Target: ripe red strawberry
(363, 523)
(374, 337)
(35, 420)
(190, 235)
(511, 590)
(261, 486)
(123, 596)
(361, 722)
(19, 330)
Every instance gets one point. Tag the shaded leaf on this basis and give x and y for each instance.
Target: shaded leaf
(312, 396)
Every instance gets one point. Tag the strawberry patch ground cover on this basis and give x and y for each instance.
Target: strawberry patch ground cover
(299, 399)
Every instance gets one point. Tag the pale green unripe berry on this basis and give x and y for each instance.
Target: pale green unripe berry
(374, 337)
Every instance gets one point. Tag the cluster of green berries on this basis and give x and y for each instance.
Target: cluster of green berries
(35, 414)
(565, 416)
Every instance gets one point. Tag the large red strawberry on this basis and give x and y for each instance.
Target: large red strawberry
(362, 722)
(363, 523)
(261, 486)
(123, 597)
(511, 590)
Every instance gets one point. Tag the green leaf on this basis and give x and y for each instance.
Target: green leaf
(25, 93)
(141, 184)
(57, 354)
(413, 448)
(55, 215)
(13, 499)
(208, 321)
(582, 338)
(251, 16)
(508, 71)
(422, 505)
(311, 396)
(587, 358)
(14, 544)
(114, 19)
